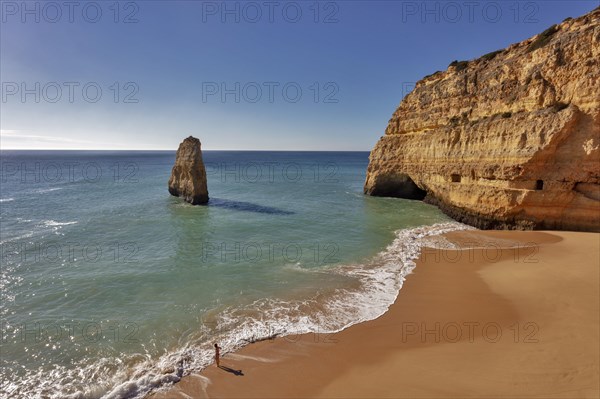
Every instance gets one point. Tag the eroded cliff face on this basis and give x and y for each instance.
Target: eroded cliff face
(188, 177)
(510, 140)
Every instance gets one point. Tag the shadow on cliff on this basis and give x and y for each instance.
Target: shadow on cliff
(246, 206)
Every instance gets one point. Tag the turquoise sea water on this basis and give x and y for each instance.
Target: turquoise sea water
(112, 287)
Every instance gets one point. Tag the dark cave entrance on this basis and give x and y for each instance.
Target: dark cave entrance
(539, 185)
(399, 186)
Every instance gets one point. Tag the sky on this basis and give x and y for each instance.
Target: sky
(239, 75)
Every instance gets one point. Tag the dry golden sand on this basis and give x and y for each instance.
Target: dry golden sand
(488, 323)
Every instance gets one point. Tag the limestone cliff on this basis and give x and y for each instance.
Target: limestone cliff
(188, 177)
(509, 140)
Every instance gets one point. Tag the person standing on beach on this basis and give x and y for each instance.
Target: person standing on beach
(217, 354)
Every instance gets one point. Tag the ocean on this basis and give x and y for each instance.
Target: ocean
(111, 287)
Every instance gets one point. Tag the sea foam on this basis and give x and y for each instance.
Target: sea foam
(377, 284)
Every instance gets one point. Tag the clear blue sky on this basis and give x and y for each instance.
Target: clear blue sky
(185, 62)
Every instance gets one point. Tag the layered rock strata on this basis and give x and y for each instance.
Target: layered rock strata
(188, 177)
(509, 140)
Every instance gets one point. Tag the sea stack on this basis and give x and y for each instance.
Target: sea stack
(510, 140)
(188, 177)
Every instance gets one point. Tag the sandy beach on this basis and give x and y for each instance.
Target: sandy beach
(512, 314)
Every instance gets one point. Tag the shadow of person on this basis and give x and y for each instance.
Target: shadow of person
(232, 371)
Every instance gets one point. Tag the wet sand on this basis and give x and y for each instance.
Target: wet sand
(513, 314)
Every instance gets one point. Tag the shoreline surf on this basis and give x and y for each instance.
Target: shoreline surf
(389, 268)
(503, 291)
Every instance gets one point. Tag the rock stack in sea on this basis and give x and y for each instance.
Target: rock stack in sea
(188, 177)
(508, 140)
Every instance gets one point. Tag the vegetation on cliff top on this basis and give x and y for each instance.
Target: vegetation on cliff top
(490, 56)
(431, 74)
(543, 38)
(459, 65)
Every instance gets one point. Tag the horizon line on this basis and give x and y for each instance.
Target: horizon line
(164, 150)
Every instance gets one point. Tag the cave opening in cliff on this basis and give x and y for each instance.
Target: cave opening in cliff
(539, 185)
(399, 186)
(455, 178)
